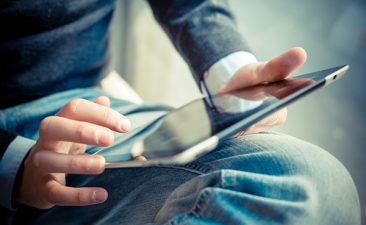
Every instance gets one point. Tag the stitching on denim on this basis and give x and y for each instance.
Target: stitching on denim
(203, 196)
(228, 178)
(202, 203)
(193, 170)
(197, 167)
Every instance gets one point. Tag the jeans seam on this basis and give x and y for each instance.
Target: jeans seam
(196, 167)
(189, 169)
(200, 204)
(202, 201)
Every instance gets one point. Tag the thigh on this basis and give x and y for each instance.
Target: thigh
(135, 195)
(266, 178)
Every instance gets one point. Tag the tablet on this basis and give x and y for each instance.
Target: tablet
(188, 132)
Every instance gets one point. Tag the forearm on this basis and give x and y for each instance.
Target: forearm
(202, 31)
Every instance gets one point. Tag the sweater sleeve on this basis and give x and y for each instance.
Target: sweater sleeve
(13, 150)
(203, 31)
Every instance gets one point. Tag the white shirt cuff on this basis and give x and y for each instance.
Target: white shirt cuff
(219, 73)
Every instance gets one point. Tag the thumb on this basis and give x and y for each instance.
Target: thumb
(276, 69)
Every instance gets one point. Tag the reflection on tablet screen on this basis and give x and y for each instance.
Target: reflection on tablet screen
(199, 120)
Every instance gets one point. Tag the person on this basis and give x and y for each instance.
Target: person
(54, 53)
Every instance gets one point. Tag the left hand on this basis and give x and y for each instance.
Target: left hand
(273, 70)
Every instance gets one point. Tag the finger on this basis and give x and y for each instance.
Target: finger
(77, 149)
(256, 129)
(281, 66)
(58, 194)
(279, 89)
(256, 73)
(54, 162)
(140, 158)
(52, 145)
(245, 77)
(84, 110)
(103, 100)
(54, 128)
(275, 119)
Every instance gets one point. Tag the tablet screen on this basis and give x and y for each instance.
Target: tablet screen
(222, 115)
(203, 118)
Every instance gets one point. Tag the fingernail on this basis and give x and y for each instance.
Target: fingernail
(100, 196)
(125, 125)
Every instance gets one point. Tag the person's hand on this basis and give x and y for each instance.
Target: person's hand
(274, 70)
(60, 151)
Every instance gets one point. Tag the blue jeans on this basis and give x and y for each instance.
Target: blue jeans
(265, 178)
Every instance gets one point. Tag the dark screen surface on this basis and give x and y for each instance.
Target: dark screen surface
(192, 123)
(224, 115)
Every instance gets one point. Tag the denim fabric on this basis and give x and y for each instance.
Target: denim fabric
(265, 178)
(51, 46)
(9, 168)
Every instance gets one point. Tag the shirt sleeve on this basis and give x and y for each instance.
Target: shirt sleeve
(10, 163)
(221, 71)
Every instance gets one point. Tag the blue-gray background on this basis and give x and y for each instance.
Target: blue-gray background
(333, 32)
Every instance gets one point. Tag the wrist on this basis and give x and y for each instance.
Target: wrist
(221, 72)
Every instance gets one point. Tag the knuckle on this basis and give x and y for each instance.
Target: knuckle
(71, 107)
(45, 124)
(74, 164)
(79, 197)
(35, 160)
(78, 149)
(78, 164)
(107, 116)
(81, 131)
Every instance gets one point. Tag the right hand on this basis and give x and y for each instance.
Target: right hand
(258, 73)
(280, 90)
(59, 151)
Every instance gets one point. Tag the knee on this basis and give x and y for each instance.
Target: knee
(268, 178)
(333, 185)
(298, 168)
(325, 180)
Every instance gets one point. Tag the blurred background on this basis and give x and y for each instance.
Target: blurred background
(333, 32)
